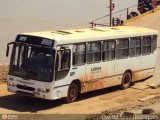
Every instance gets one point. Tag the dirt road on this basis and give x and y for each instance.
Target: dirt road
(110, 99)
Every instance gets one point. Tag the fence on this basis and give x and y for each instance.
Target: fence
(119, 17)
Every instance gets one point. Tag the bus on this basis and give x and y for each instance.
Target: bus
(65, 63)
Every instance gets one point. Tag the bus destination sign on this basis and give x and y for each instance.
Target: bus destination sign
(35, 40)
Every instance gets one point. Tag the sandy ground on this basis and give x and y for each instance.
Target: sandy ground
(139, 96)
(3, 73)
(149, 21)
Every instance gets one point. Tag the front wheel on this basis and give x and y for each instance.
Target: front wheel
(126, 80)
(72, 93)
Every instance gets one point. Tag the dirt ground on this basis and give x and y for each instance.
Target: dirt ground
(110, 100)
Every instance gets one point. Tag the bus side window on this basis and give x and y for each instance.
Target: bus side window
(79, 54)
(108, 50)
(25, 56)
(135, 47)
(154, 43)
(62, 64)
(15, 57)
(122, 48)
(146, 45)
(57, 62)
(94, 52)
(65, 59)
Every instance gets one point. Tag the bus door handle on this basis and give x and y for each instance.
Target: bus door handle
(74, 68)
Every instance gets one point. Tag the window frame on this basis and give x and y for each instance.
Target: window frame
(56, 79)
(118, 58)
(93, 61)
(85, 53)
(142, 38)
(153, 48)
(104, 51)
(130, 39)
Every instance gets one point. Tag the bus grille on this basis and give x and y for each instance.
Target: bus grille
(24, 93)
(24, 87)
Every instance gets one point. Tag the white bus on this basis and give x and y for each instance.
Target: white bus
(64, 63)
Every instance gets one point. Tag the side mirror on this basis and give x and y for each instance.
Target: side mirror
(7, 51)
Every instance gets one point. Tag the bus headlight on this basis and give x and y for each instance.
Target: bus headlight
(43, 90)
(11, 79)
(11, 84)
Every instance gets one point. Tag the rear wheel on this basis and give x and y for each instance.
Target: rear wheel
(126, 80)
(72, 93)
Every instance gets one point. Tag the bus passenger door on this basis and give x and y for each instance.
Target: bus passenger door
(62, 71)
(62, 64)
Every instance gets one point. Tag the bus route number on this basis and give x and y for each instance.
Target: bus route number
(22, 38)
(72, 73)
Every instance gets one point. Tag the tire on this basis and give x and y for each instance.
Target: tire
(126, 80)
(72, 93)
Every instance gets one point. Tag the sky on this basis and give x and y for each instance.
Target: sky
(18, 16)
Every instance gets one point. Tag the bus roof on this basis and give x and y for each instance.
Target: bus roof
(93, 34)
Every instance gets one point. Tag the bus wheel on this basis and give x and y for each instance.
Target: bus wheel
(72, 93)
(126, 80)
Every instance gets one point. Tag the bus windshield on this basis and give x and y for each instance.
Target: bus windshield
(32, 62)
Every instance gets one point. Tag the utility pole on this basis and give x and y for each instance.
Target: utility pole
(110, 8)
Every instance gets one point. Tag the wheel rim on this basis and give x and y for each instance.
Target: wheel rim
(72, 93)
(127, 79)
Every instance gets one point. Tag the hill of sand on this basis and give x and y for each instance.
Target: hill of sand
(152, 20)
(149, 20)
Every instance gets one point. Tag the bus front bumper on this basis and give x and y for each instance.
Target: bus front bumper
(49, 94)
(35, 93)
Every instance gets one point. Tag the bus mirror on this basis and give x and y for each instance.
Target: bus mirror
(7, 52)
